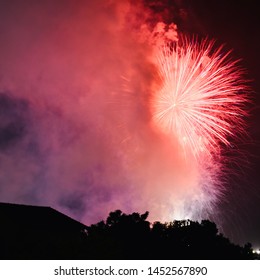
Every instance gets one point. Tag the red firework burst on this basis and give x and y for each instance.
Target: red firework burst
(202, 97)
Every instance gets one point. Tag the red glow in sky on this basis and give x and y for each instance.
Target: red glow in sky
(77, 129)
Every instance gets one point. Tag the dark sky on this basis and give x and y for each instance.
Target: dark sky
(237, 24)
(61, 141)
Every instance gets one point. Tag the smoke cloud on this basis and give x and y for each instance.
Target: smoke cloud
(76, 79)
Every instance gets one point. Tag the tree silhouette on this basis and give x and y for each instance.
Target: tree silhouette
(132, 237)
(121, 236)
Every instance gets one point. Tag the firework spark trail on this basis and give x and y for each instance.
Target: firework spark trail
(202, 98)
(201, 104)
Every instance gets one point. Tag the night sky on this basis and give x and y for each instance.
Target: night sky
(237, 23)
(75, 133)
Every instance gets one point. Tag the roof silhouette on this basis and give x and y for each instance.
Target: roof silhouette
(36, 232)
(18, 216)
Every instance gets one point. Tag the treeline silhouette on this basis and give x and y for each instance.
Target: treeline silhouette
(121, 236)
(133, 237)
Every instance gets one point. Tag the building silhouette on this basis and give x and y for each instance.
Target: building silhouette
(36, 232)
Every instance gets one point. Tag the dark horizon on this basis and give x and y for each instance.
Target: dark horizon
(33, 232)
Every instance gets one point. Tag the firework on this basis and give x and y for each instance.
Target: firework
(202, 96)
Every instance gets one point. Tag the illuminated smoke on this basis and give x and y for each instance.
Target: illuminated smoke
(79, 78)
(199, 103)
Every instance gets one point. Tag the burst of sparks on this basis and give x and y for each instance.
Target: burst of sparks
(202, 96)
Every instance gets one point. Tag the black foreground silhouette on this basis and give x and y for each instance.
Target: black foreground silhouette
(33, 232)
